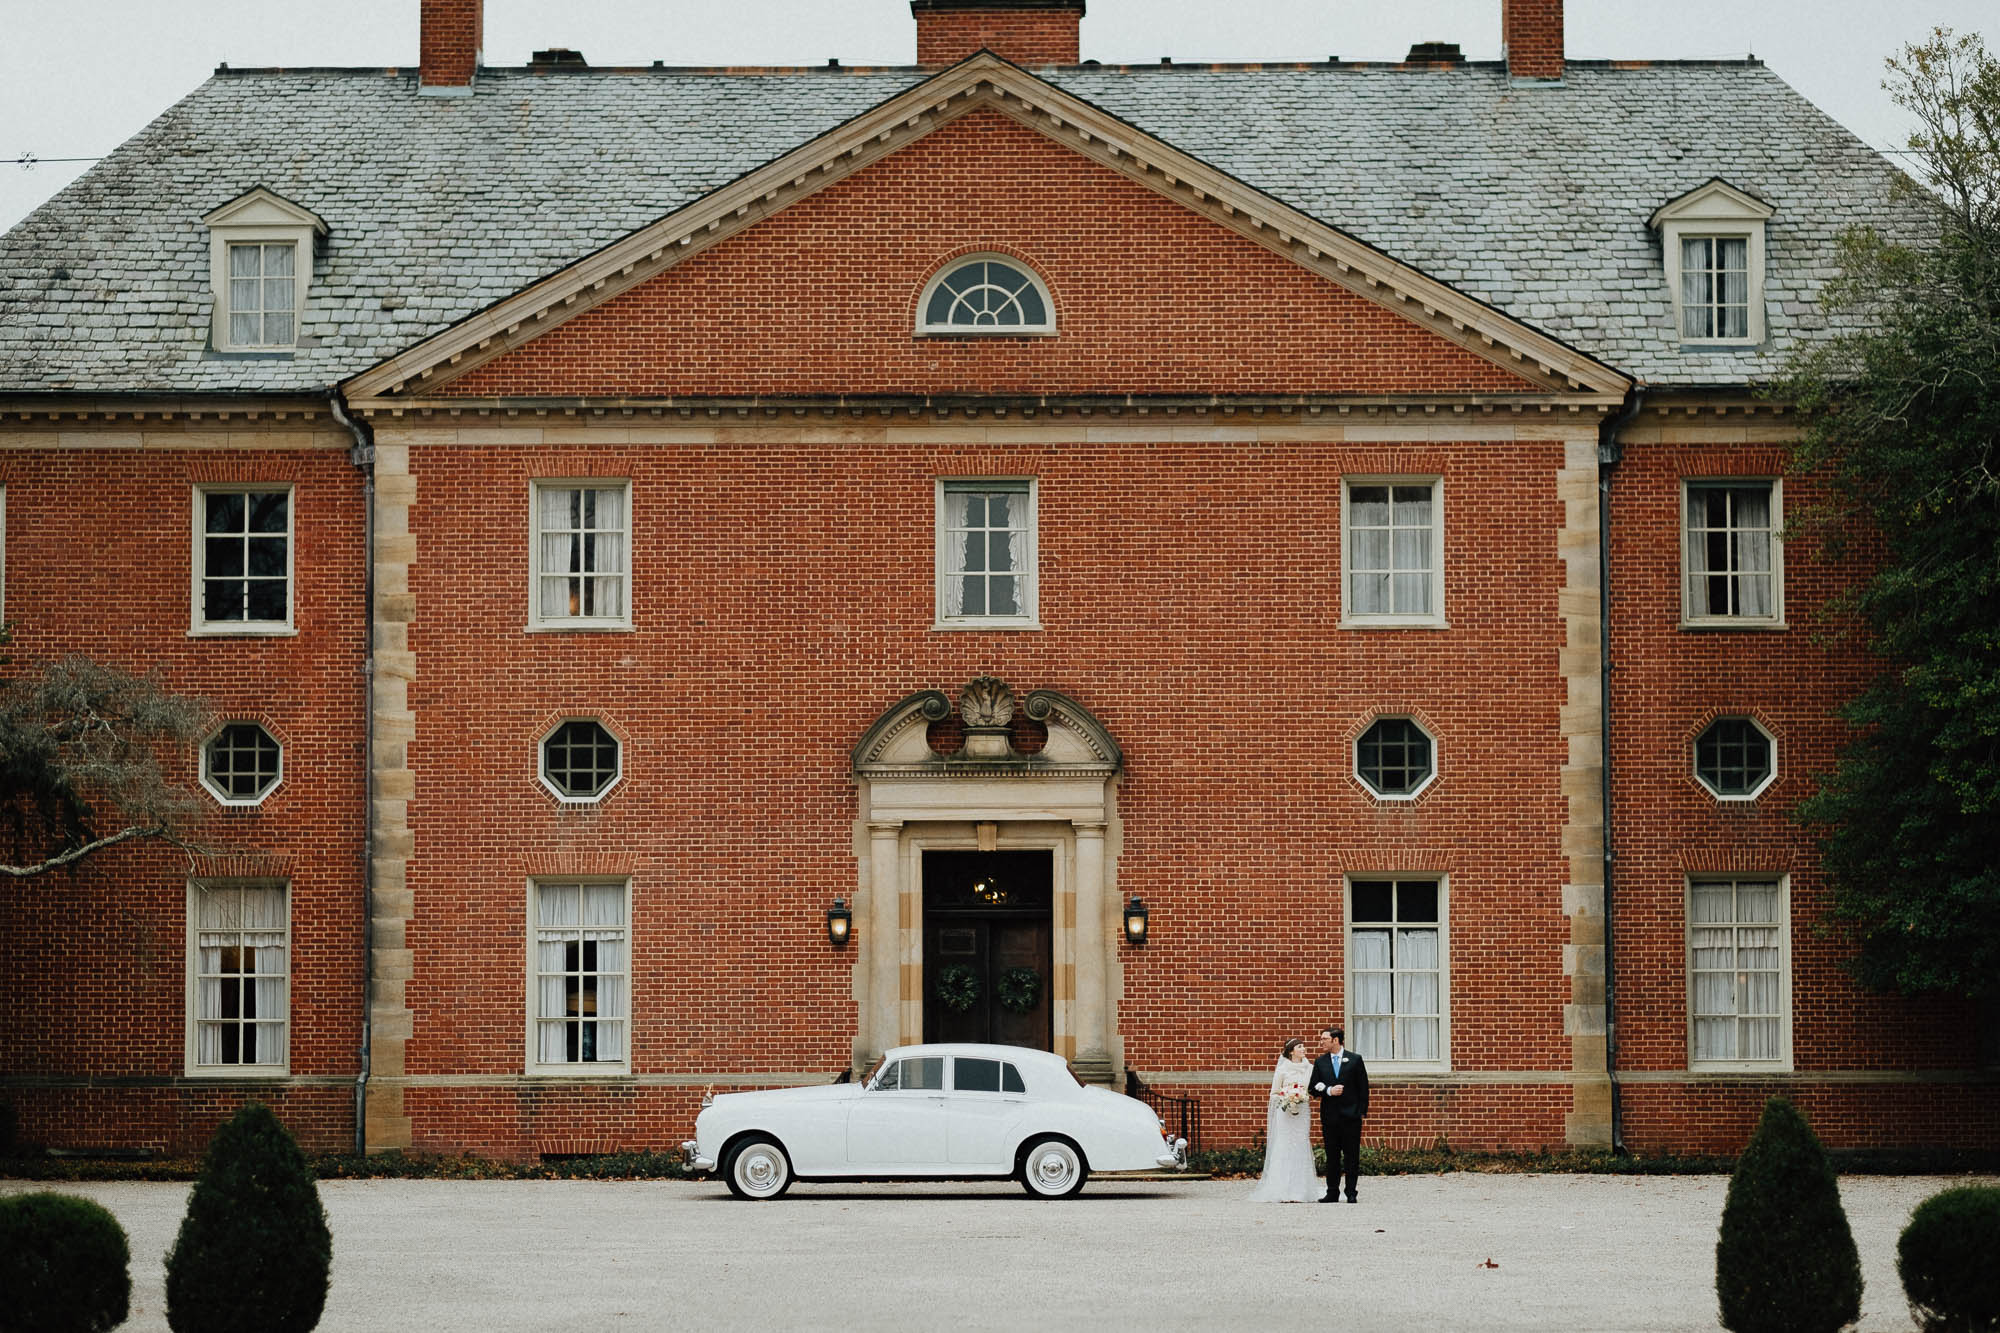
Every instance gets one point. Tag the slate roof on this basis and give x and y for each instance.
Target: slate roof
(1533, 199)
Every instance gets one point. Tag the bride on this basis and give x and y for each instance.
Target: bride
(1289, 1176)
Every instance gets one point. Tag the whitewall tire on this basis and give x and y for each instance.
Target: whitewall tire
(1053, 1169)
(758, 1169)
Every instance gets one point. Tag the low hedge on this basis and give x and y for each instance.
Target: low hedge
(64, 1266)
(1947, 1257)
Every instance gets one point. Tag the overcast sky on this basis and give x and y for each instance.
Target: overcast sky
(79, 77)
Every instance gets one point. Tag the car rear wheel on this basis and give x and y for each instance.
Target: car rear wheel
(758, 1169)
(1052, 1169)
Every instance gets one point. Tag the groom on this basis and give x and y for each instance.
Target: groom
(1340, 1081)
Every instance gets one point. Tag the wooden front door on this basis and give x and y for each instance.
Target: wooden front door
(987, 932)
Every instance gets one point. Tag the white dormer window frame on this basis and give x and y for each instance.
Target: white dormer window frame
(1732, 224)
(270, 224)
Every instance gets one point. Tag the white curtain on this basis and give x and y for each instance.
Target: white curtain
(245, 927)
(582, 552)
(1374, 994)
(1697, 288)
(569, 917)
(1417, 995)
(1751, 543)
(1368, 551)
(604, 924)
(1733, 265)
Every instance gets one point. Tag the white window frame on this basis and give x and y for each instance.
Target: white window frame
(591, 1069)
(1432, 619)
(199, 558)
(1694, 758)
(539, 623)
(1721, 211)
(1376, 1059)
(260, 217)
(1783, 1062)
(1776, 619)
(542, 761)
(1415, 791)
(192, 1017)
(214, 789)
(1027, 572)
(1047, 328)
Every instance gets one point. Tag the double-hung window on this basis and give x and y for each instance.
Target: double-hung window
(261, 248)
(1392, 551)
(1731, 554)
(582, 555)
(239, 978)
(1712, 248)
(243, 560)
(580, 998)
(1738, 975)
(1396, 970)
(986, 554)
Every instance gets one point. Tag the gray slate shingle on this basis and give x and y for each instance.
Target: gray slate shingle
(1533, 199)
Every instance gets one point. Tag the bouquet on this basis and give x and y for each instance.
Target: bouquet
(1291, 1098)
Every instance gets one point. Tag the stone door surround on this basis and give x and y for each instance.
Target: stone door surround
(988, 796)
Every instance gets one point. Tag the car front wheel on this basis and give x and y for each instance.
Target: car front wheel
(1052, 1169)
(759, 1169)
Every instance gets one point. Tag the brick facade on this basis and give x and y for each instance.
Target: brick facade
(1047, 33)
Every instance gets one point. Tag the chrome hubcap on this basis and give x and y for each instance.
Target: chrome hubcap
(758, 1169)
(1053, 1169)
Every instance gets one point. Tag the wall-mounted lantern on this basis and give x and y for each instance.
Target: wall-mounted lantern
(1135, 922)
(839, 923)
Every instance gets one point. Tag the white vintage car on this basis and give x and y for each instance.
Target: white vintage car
(941, 1112)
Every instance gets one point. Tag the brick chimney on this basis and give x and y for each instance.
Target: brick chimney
(448, 43)
(1531, 33)
(1027, 32)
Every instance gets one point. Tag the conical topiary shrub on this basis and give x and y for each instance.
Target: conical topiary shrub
(64, 1266)
(1949, 1260)
(253, 1252)
(1786, 1261)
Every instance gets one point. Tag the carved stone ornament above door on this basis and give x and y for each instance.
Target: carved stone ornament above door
(897, 745)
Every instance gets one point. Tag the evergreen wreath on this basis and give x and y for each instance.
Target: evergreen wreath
(1019, 989)
(958, 988)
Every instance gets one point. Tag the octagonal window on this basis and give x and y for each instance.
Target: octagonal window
(581, 760)
(1395, 757)
(1735, 758)
(241, 763)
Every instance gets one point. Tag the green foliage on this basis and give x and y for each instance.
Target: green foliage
(63, 1266)
(80, 770)
(254, 1252)
(1903, 417)
(1785, 1261)
(1945, 1257)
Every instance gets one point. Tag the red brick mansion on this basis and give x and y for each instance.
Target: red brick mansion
(703, 575)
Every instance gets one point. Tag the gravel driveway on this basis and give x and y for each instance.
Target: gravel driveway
(1419, 1252)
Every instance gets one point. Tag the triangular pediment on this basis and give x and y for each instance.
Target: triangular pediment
(260, 207)
(1712, 201)
(984, 82)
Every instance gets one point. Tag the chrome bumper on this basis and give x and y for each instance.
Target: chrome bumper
(692, 1151)
(1176, 1159)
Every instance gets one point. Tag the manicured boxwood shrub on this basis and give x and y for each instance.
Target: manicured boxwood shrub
(1949, 1260)
(1785, 1262)
(254, 1250)
(64, 1266)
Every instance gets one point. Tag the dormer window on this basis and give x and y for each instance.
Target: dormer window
(1712, 244)
(260, 266)
(986, 294)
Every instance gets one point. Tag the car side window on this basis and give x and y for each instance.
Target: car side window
(1010, 1080)
(924, 1074)
(886, 1081)
(975, 1075)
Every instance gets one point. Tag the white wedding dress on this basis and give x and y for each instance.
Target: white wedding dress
(1289, 1176)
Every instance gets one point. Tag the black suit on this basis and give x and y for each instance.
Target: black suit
(1340, 1117)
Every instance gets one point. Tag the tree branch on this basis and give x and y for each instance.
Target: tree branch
(78, 853)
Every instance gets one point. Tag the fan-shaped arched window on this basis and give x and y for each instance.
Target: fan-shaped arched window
(986, 294)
